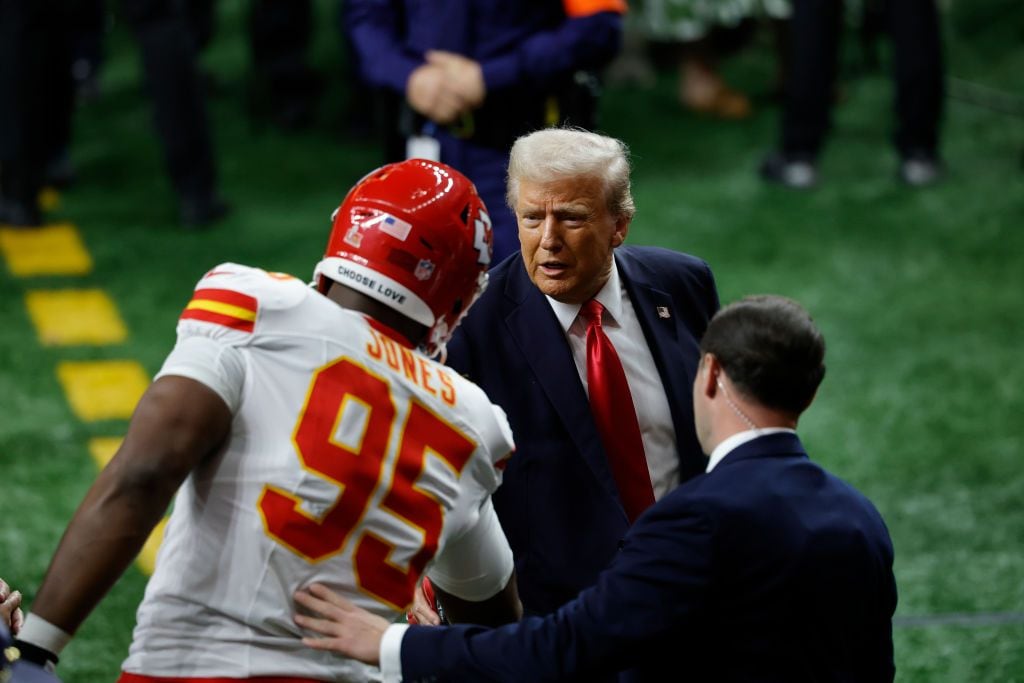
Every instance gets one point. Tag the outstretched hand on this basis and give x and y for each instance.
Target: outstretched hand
(345, 628)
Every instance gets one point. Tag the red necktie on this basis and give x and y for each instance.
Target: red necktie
(612, 406)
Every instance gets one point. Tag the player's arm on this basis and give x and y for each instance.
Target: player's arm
(659, 581)
(502, 608)
(177, 423)
(474, 577)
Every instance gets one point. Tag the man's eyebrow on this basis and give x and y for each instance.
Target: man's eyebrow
(575, 208)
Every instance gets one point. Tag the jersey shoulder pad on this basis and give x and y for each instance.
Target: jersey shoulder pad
(232, 296)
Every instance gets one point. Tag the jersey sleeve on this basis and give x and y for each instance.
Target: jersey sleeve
(477, 564)
(495, 443)
(218, 320)
(475, 561)
(210, 362)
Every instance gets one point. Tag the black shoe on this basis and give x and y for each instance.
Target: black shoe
(19, 215)
(798, 172)
(920, 169)
(202, 211)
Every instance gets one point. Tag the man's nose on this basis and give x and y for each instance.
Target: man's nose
(550, 234)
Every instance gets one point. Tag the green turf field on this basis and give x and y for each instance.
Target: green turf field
(920, 295)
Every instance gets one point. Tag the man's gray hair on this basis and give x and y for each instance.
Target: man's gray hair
(552, 154)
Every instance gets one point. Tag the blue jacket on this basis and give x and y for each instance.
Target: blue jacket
(520, 44)
(558, 502)
(766, 569)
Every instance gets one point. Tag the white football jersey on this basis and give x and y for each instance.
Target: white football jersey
(352, 460)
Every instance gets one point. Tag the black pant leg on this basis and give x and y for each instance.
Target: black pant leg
(918, 73)
(201, 15)
(168, 47)
(813, 60)
(35, 92)
(279, 35)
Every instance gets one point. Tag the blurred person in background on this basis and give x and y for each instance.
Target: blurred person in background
(170, 34)
(36, 101)
(284, 88)
(699, 33)
(474, 76)
(815, 28)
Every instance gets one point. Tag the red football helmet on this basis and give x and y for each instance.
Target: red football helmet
(416, 236)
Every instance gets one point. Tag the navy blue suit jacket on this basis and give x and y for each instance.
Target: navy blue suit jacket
(768, 568)
(558, 502)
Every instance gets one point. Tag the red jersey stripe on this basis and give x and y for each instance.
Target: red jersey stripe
(218, 318)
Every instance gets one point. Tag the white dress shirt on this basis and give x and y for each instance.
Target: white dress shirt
(652, 410)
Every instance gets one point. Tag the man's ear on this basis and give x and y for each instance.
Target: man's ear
(710, 367)
(621, 230)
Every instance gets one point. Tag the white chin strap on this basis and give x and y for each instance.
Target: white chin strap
(377, 286)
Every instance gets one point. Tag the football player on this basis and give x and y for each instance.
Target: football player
(310, 437)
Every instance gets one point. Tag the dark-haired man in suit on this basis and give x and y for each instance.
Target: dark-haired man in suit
(766, 568)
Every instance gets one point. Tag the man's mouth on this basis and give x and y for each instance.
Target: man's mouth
(553, 267)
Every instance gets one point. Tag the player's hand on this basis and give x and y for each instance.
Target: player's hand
(422, 611)
(464, 76)
(10, 608)
(429, 92)
(346, 629)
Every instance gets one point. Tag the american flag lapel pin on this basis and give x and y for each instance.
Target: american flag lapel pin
(663, 312)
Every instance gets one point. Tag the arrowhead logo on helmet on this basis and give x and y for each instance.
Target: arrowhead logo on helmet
(416, 236)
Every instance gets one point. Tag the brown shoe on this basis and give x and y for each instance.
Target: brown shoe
(724, 103)
(702, 90)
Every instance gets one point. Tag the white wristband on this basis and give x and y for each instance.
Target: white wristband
(41, 633)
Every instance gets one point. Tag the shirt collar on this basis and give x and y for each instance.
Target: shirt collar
(738, 439)
(609, 296)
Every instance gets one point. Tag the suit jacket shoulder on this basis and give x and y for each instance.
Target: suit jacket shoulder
(687, 279)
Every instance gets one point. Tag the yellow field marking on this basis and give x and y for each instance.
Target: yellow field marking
(96, 390)
(102, 390)
(102, 449)
(147, 558)
(75, 316)
(53, 250)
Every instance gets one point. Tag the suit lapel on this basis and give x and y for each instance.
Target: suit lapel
(541, 341)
